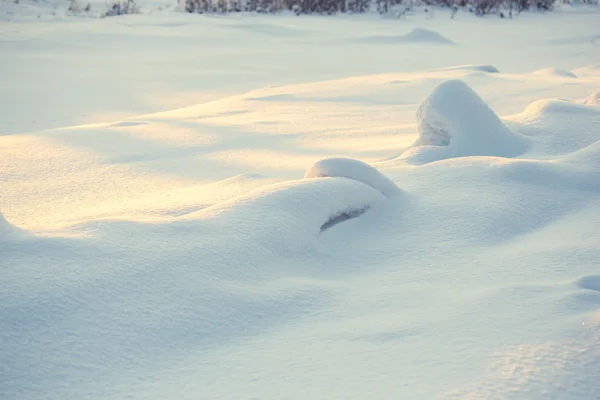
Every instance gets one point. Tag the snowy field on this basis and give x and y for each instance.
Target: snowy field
(281, 207)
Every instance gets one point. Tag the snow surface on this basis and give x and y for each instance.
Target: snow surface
(555, 72)
(258, 207)
(353, 169)
(416, 36)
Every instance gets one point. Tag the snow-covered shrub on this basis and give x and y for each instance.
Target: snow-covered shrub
(120, 7)
(396, 8)
(76, 7)
(483, 7)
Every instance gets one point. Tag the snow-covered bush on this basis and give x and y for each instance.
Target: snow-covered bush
(396, 8)
(76, 7)
(120, 7)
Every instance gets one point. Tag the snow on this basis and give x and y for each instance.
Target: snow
(259, 207)
(415, 36)
(555, 72)
(593, 99)
(456, 119)
(7, 230)
(353, 169)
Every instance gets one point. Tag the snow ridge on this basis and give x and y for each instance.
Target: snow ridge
(353, 169)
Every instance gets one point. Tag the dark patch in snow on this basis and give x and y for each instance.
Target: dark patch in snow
(555, 72)
(346, 215)
(490, 69)
(126, 124)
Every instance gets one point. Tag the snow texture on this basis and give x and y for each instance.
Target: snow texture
(244, 206)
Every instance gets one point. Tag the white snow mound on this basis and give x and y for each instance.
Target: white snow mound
(457, 119)
(353, 169)
(417, 35)
(300, 208)
(554, 72)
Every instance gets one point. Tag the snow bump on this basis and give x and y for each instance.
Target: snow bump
(353, 169)
(455, 118)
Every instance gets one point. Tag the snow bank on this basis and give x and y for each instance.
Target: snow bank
(353, 169)
(457, 119)
(417, 36)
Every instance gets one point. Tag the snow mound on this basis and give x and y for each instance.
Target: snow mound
(294, 209)
(554, 72)
(475, 67)
(417, 35)
(542, 108)
(455, 118)
(560, 127)
(353, 169)
(593, 99)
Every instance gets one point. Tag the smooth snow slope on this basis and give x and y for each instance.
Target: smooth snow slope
(419, 234)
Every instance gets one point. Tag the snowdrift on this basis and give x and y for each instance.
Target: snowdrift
(458, 123)
(549, 123)
(297, 209)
